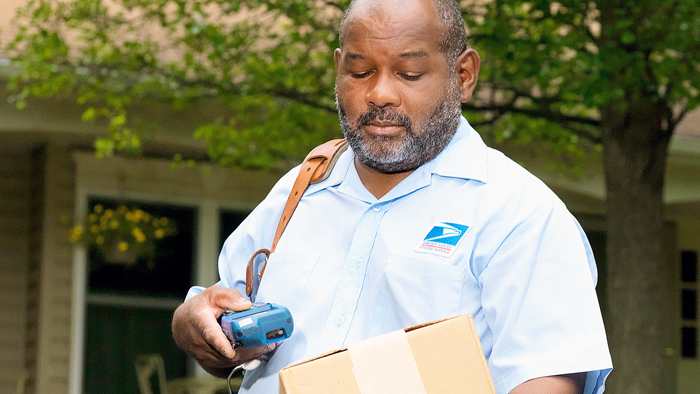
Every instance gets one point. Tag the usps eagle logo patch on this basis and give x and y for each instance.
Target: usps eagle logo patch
(442, 240)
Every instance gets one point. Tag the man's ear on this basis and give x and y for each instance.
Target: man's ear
(467, 67)
(336, 56)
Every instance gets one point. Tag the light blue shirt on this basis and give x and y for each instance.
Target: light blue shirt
(469, 232)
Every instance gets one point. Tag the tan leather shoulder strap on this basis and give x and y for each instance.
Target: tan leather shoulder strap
(316, 168)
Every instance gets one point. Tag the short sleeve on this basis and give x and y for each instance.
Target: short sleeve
(539, 300)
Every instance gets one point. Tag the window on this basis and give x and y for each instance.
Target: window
(129, 307)
(689, 304)
(228, 222)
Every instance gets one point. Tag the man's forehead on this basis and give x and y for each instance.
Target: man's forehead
(406, 55)
(385, 18)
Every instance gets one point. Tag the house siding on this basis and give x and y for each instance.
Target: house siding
(54, 315)
(15, 171)
(35, 219)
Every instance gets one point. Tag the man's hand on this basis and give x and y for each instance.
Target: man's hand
(197, 331)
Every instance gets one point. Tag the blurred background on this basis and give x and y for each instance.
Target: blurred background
(136, 135)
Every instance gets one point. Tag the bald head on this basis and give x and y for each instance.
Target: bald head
(453, 36)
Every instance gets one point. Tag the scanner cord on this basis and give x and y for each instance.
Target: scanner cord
(249, 366)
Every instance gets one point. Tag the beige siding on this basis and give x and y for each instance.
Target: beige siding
(35, 219)
(155, 177)
(53, 347)
(14, 244)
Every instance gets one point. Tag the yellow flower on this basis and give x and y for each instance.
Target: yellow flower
(138, 234)
(103, 224)
(75, 234)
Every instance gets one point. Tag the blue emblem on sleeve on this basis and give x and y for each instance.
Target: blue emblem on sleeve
(443, 239)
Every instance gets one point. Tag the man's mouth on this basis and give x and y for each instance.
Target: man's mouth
(383, 123)
(384, 127)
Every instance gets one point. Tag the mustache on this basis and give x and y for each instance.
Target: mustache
(383, 114)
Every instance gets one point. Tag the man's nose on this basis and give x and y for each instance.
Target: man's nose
(383, 93)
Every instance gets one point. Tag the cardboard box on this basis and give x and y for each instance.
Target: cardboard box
(441, 357)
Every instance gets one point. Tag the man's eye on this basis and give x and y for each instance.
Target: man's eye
(411, 77)
(360, 75)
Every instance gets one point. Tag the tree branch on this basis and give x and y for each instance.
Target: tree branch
(566, 121)
(301, 98)
(673, 121)
(537, 113)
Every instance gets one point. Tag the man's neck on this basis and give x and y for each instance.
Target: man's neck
(378, 183)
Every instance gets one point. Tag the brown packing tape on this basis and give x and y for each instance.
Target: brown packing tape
(385, 364)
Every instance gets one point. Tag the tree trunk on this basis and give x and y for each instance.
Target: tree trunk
(639, 322)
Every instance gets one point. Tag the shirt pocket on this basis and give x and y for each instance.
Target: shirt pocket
(413, 291)
(285, 280)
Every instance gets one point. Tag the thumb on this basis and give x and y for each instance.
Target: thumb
(224, 298)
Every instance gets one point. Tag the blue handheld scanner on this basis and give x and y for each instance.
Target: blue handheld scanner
(260, 325)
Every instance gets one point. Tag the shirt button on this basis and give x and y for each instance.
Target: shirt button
(339, 320)
(358, 262)
(377, 208)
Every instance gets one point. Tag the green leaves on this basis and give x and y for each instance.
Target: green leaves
(562, 61)
(269, 65)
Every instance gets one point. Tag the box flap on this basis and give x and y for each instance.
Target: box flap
(326, 375)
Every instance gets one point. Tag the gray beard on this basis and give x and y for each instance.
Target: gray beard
(417, 146)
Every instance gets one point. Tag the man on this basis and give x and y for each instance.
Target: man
(419, 221)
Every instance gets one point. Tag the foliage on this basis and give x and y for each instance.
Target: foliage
(268, 64)
(124, 229)
(270, 71)
(564, 60)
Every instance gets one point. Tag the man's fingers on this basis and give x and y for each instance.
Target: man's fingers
(245, 355)
(212, 334)
(197, 331)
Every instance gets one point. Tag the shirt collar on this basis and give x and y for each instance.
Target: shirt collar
(464, 157)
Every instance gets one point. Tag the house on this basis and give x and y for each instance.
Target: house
(65, 329)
